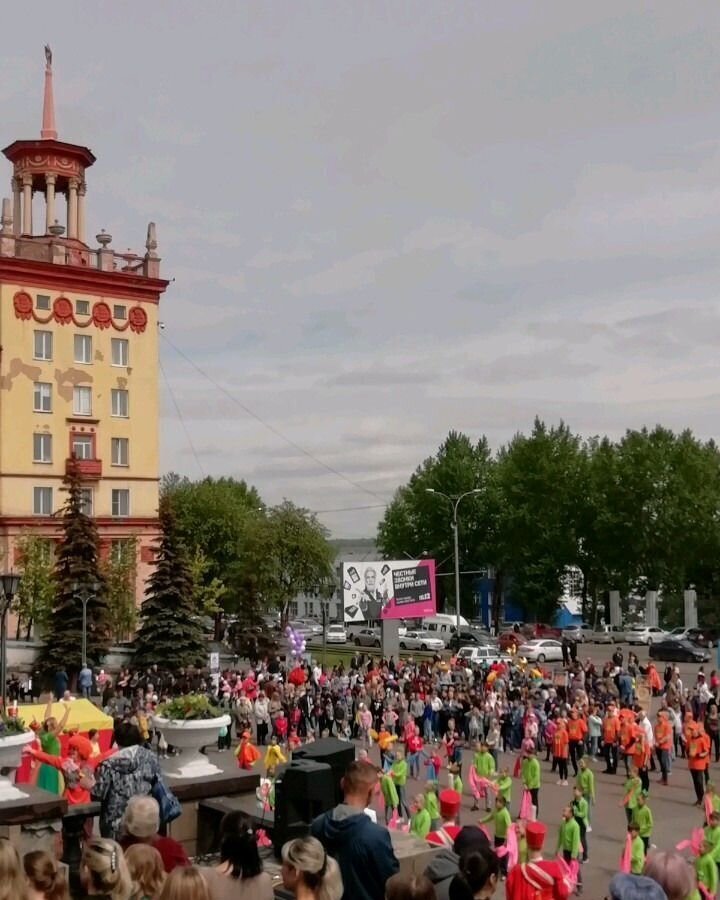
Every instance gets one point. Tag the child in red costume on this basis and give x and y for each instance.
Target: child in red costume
(247, 753)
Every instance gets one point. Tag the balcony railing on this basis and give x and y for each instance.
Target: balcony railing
(86, 468)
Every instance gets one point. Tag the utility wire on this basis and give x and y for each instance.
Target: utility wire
(319, 512)
(182, 420)
(271, 428)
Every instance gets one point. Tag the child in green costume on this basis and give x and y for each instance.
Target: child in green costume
(390, 795)
(420, 818)
(643, 816)
(432, 806)
(586, 780)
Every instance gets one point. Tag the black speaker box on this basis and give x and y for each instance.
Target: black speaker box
(304, 789)
(337, 754)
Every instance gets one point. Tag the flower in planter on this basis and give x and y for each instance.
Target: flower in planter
(11, 725)
(188, 708)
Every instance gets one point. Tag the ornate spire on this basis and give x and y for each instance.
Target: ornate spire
(49, 131)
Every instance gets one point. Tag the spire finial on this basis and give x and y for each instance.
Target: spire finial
(49, 131)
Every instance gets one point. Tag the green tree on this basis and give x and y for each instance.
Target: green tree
(206, 594)
(418, 522)
(170, 634)
(286, 552)
(76, 563)
(33, 603)
(120, 571)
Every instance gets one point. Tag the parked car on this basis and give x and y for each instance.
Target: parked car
(479, 656)
(608, 634)
(702, 637)
(367, 637)
(542, 630)
(336, 634)
(471, 638)
(421, 640)
(679, 633)
(645, 634)
(579, 633)
(541, 650)
(673, 650)
(310, 625)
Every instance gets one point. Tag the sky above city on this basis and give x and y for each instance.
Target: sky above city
(388, 220)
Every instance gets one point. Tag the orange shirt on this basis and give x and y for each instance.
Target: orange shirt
(577, 729)
(698, 752)
(561, 744)
(611, 729)
(663, 735)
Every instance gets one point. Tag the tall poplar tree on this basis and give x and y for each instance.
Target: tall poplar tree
(170, 633)
(76, 563)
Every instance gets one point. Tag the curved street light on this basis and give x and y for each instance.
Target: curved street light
(454, 503)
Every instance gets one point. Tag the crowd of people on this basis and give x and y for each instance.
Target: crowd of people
(447, 726)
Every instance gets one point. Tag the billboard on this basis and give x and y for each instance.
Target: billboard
(400, 589)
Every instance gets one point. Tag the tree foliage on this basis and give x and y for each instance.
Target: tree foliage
(170, 634)
(635, 514)
(76, 563)
(33, 602)
(120, 571)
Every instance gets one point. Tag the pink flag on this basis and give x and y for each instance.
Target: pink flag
(626, 856)
(570, 870)
(526, 806)
(393, 823)
(707, 802)
(262, 838)
(694, 845)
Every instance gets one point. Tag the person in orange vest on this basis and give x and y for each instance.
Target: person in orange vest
(627, 724)
(639, 751)
(538, 878)
(577, 729)
(610, 737)
(663, 743)
(561, 751)
(698, 752)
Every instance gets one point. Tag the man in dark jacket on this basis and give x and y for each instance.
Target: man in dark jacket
(363, 850)
(445, 865)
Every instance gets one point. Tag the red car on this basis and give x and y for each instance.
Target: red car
(541, 630)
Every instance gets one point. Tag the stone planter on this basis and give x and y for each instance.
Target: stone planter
(189, 736)
(11, 748)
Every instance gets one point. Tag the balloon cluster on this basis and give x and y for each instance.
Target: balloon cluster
(296, 641)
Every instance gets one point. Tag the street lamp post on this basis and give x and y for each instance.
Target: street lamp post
(9, 584)
(84, 594)
(455, 502)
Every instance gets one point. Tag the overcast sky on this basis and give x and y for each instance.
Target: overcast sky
(387, 220)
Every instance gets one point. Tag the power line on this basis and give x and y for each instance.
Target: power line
(319, 512)
(271, 428)
(182, 420)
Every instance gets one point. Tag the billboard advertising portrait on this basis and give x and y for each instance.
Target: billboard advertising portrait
(388, 589)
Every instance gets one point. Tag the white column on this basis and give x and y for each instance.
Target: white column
(691, 616)
(72, 209)
(651, 613)
(81, 212)
(615, 611)
(49, 200)
(17, 205)
(27, 225)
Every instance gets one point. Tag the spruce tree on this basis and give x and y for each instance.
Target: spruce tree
(170, 633)
(76, 563)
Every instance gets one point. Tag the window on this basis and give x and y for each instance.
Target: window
(120, 352)
(42, 501)
(119, 451)
(43, 345)
(82, 446)
(83, 348)
(42, 301)
(86, 501)
(122, 550)
(82, 401)
(119, 312)
(42, 397)
(42, 448)
(120, 502)
(82, 307)
(119, 400)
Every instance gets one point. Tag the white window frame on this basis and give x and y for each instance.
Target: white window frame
(43, 302)
(115, 504)
(86, 441)
(116, 457)
(85, 341)
(40, 508)
(46, 338)
(122, 358)
(42, 441)
(86, 306)
(88, 501)
(119, 311)
(39, 393)
(118, 393)
(82, 390)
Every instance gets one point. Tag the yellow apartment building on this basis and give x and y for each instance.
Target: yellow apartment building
(78, 355)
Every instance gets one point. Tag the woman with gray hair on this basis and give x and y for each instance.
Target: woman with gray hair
(635, 887)
(141, 824)
(673, 873)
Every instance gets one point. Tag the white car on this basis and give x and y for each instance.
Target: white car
(336, 634)
(421, 640)
(579, 633)
(307, 625)
(645, 634)
(478, 656)
(541, 650)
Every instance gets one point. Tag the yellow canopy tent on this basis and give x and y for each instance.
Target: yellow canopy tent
(83, 715)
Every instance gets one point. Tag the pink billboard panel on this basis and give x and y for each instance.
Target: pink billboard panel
(389, 589)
